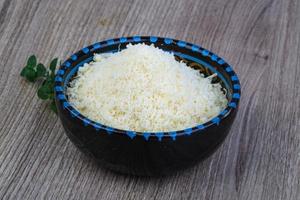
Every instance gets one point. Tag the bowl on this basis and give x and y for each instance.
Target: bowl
(148, 153)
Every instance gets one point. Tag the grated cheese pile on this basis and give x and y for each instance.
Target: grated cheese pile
(143, 88)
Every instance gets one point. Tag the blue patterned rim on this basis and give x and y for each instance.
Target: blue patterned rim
(60, 84)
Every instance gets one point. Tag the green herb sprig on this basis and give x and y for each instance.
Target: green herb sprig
(34, 72)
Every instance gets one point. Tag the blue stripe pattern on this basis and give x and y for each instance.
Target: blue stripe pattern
(58, 79)
(188, 131)
(66, 105)
(159, 135)
(221, 61)
(236, 96)
(131, 134)
(85, 50)
(153, 39)
(61, 96)
(195, 48)
(232, 105)
(59, 89)
(67, 64)
(137, 38)
(224, 112)
(236, 86)
(74, 113)
(123, 39)
(86, 121)
(110, 42)
(216, 120)
(181, 44)
(109, 130)
(168, 41)
(173, 134)
(205, 52)
(97, 126)
(74, 57)
(146, 135)
(228, 69)
(201, 127)
(96, 46)
(61, 72)
(234, 78)
(214, 57)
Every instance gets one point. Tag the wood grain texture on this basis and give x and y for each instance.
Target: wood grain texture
(261, 39)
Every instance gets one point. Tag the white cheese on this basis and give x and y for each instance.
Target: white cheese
(143, 88)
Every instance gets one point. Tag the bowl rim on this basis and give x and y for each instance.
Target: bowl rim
(60, 86)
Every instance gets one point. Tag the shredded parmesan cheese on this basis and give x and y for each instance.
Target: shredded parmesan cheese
(143, 88)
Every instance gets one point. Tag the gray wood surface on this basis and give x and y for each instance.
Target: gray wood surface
(261, 39)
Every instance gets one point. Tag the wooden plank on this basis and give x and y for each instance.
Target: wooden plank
(259, 160)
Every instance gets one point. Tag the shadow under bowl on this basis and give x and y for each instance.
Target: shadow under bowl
(147, 153)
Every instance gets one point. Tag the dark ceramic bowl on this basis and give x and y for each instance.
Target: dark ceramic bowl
(142, 153)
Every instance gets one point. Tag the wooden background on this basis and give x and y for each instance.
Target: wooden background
(261, 40)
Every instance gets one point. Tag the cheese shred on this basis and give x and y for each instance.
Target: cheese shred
(143, 88)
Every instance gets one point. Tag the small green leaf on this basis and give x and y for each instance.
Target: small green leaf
(48, 80)
(51, 95)
(23, 72)
(30, 74)
(52, 76)
(48, 86)
(43, 93)
(31, 62)
(53, 65)
(47, 75)
(32, 71)
(53, 106)
(40, 70)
